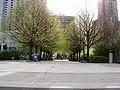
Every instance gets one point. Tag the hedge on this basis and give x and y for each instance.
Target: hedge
(7, 55)
(98, 59)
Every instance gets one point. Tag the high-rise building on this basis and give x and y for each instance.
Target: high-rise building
(108, 7)
(6, 6)
(108, 16)
(108, 11)
(6, 43)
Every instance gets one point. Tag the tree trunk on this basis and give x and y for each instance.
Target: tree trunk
(51, 55)
(36, 51)
(47, 57)
(83, 49)
(40, 55)
(40, 52)
(70, 57)
(74, 58)
(44, 54)
(88, 53)
(79, 52)
(77, 56)
(30, 52)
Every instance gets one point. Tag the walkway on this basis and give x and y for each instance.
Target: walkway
(58, 76)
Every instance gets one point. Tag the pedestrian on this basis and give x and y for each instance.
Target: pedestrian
(35, 57)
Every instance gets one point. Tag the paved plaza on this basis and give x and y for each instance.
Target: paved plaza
(58, 76)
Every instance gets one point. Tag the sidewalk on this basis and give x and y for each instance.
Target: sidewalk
(59, 76)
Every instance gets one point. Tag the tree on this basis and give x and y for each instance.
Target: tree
(110, 32)
(50, 36)
(31, 24)
(74, 37)
(102, 48)
(90, 28)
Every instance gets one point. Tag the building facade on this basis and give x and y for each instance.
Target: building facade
(6, 6)
(108, 7)
(107, 10)
(6, 42)
(108, 14)
(65, 20)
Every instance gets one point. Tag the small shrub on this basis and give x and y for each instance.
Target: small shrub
(98, 59)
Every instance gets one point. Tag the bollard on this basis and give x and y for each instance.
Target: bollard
(110, 57)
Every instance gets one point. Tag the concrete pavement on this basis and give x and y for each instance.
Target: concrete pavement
(59, 76)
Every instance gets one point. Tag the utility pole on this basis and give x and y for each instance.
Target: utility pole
(85, 4)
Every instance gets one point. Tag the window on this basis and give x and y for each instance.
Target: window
(5, 12)
(4, 47)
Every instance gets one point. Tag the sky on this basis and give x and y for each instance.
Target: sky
(72, 7)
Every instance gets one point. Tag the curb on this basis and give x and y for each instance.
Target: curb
(27, 88)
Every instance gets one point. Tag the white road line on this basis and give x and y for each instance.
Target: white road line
(113, 87)
(6, 73)
(60, 87)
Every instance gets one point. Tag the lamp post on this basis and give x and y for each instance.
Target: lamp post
(2, 45)
(85, 4)
(111, 56)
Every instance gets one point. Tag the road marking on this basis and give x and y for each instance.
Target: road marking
(60, 87)
(64, 60)
(6, 73)
(113, 87)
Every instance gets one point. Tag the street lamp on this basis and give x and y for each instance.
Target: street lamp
(85, 5)
(3, 43)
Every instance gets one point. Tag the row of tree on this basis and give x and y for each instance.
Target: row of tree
(82, 34)
(32, 25)
(85, 33)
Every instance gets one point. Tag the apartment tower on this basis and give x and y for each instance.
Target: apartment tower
(108, 13)
(6, 43)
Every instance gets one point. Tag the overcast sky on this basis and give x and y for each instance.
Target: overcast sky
(71, 7)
